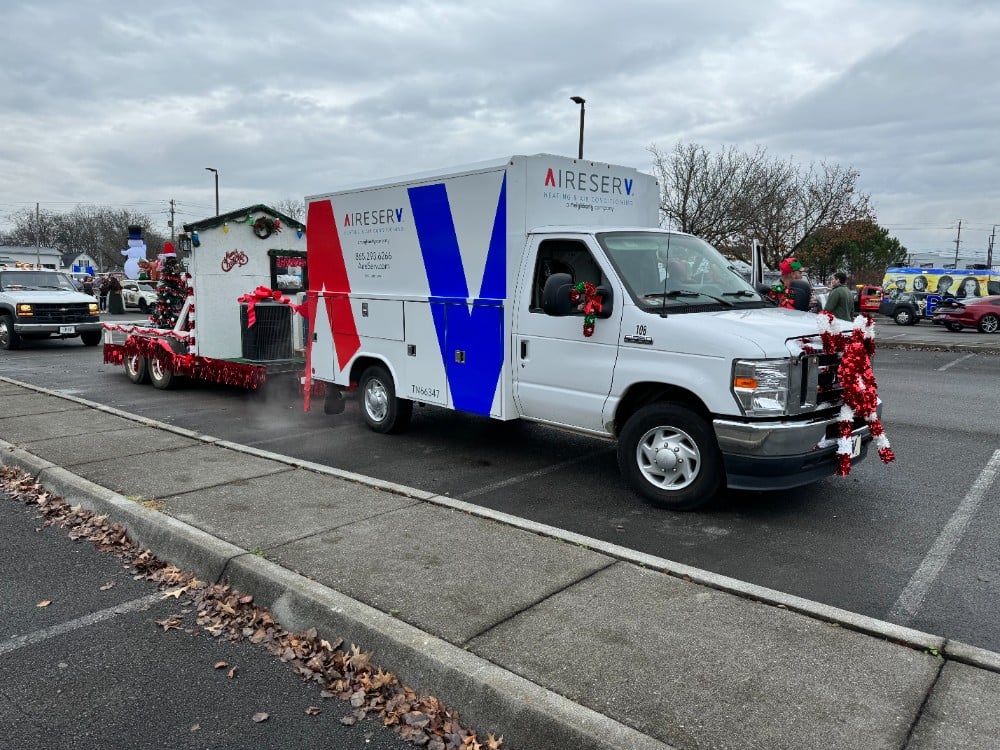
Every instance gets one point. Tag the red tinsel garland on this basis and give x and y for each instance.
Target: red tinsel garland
(220, 371)
(857, 378)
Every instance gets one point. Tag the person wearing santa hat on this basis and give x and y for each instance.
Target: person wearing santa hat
(798, 289)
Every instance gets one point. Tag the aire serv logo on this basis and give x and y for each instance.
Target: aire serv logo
(374, 218)
(588, 182)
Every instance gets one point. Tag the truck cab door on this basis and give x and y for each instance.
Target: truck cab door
(560, 375)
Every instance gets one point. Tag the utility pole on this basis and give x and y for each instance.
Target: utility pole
(958, 239)
(171, 221)
(989, 249)
(38, 240)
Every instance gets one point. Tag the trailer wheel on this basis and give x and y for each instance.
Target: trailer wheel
(160, 376)
(668, 454)
(137, 369)
(381, 409)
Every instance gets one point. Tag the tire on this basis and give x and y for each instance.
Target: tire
(903, 317)
(143, 306)
(383, 412)
(9, 339)
(689, 473)
(137, 369)
(953, 326)
(90, 338)
(989, 324)
(161, 377)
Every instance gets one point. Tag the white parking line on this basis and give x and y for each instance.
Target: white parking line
(20, 641)
(956, 361)
(908, 604)
(532, 474)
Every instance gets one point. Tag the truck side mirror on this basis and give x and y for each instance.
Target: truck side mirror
(555, 294)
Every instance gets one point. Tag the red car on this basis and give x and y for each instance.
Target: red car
(977, 312)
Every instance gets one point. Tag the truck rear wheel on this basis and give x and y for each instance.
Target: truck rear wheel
(137, 369)
(8, 336)
(381, 409)
(160, 376)
(903, 317)
(668, 454)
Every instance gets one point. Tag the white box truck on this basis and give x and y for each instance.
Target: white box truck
(542, 288)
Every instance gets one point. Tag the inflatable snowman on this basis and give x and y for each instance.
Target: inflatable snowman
(135, 252)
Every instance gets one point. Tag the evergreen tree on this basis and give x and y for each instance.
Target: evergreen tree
(170, 292)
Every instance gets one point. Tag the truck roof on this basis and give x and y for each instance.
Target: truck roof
(456, 171)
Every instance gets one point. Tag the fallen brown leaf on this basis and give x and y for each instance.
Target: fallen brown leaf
(107, 586)
(261, 716)
(220, 664)
(312, 711)
(45, 603)
(231, 674)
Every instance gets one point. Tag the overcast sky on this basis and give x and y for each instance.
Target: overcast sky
(126, 103)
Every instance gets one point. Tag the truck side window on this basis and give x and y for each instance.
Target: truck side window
(563, 256)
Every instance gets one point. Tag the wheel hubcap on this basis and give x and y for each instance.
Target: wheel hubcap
(990, 325)
(668, 458)
(376, 400)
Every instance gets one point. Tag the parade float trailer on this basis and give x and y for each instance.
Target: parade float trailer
(240, 321)
(542, 288)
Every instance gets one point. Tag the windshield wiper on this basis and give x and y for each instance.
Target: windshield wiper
(688, 293)
(740, 293)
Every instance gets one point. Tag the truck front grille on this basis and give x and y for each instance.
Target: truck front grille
(73, 312)
(815, 385)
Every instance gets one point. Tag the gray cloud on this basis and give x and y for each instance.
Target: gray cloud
(114, 103)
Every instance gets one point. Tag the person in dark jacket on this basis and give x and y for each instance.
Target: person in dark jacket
(839, 301)
(116, 305)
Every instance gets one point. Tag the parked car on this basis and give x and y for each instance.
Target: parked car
(141, 294)
(982, 313)
(867, 298)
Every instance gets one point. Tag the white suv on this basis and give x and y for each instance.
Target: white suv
(38, 303)
(141, 294)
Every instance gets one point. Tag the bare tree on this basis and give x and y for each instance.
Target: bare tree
(732, 198)
(99, 231)
(292, 208)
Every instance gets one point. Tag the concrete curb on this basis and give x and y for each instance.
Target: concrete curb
(489, 697)
(909, 637)
(527, 714)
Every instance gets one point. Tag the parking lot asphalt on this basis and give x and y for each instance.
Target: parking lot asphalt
(546, 637)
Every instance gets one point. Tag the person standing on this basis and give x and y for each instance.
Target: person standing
(116, 305)
(792, 292)
(103, 287)
(839, 301)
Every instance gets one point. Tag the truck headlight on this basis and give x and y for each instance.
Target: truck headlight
(23, 308)
(93, 309)
(761, 386)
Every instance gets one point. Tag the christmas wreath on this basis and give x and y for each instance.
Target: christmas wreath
(265, 226)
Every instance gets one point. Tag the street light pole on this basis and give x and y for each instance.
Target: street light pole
(216, 171)
(581, 101)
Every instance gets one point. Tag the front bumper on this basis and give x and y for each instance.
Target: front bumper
(782, 455)
(30, 328)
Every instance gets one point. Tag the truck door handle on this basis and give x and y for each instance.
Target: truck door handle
(524, 349)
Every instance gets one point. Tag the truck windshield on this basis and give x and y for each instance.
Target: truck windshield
(35, 280)
(676, 270)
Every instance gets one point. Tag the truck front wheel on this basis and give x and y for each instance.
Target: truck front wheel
(668, 454)
(9, 339)
(903, 317)
(91, 338)
(381, 409)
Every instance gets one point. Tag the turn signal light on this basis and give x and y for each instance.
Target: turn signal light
(745, 382)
